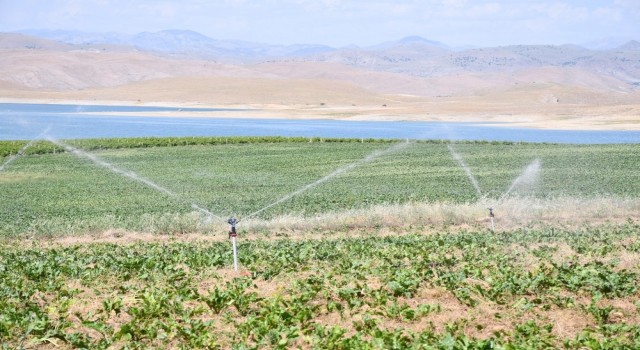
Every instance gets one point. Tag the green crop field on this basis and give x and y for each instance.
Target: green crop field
(62, 194)
(107, 244)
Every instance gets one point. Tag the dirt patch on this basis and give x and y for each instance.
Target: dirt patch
(627, 260)
(567, 323)
(563, 254)
(626, 310)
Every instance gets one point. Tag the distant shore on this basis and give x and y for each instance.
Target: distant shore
(592, 118)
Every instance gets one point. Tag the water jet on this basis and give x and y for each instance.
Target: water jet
(527, 178)
(335, 173)
(127, 173)
(23, 149)
(466, 169)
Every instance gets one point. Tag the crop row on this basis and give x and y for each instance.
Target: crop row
(455, 291)
(12, 147)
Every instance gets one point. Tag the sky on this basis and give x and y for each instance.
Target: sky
(340, 23)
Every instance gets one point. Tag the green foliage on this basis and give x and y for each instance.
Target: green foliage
(348, 293)
(153, 295)
(42, 147)
(60, 194)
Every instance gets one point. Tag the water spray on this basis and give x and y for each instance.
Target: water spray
(527, 178)
(232, 221)
(491, 215)
(15, 156)
(24, 149)
(128, 173)
(458, 158)
(337, 172)
(232, 235)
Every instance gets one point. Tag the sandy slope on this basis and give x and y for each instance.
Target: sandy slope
(546, 97)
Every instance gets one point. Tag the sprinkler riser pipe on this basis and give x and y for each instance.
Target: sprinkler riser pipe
(232, 235)
(235, 253)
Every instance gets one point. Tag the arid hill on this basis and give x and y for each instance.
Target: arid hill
(412, 79)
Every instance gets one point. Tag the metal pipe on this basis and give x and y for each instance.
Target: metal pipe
(232, 235)
(235, 253)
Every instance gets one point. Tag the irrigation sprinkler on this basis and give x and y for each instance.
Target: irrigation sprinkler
(232, 235)
(491, 216)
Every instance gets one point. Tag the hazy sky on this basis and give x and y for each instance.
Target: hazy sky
(340, 22)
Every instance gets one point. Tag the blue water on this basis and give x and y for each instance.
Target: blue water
(27, 121)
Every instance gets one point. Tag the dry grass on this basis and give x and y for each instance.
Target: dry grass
(384, 220)
(510, 213)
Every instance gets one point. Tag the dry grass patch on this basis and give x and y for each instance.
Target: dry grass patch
(388, 220)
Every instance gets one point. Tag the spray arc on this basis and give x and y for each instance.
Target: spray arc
(232, 221)
(527, 179)
(335, 173)
(458, 158)
(23, 149)
(129, 174)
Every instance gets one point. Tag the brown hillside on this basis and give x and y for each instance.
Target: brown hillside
(534, 94)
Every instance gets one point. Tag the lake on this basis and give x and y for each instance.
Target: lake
(28, 121)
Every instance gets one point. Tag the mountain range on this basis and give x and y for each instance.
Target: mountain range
(191, 41)
(413, 56)
(181, 43)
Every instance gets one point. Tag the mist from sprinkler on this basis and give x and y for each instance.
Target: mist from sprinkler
(458, 158)
(24, 148)
(466, 169)
(15, 156)
(527, 178)
(337, 172)
(127, 173)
